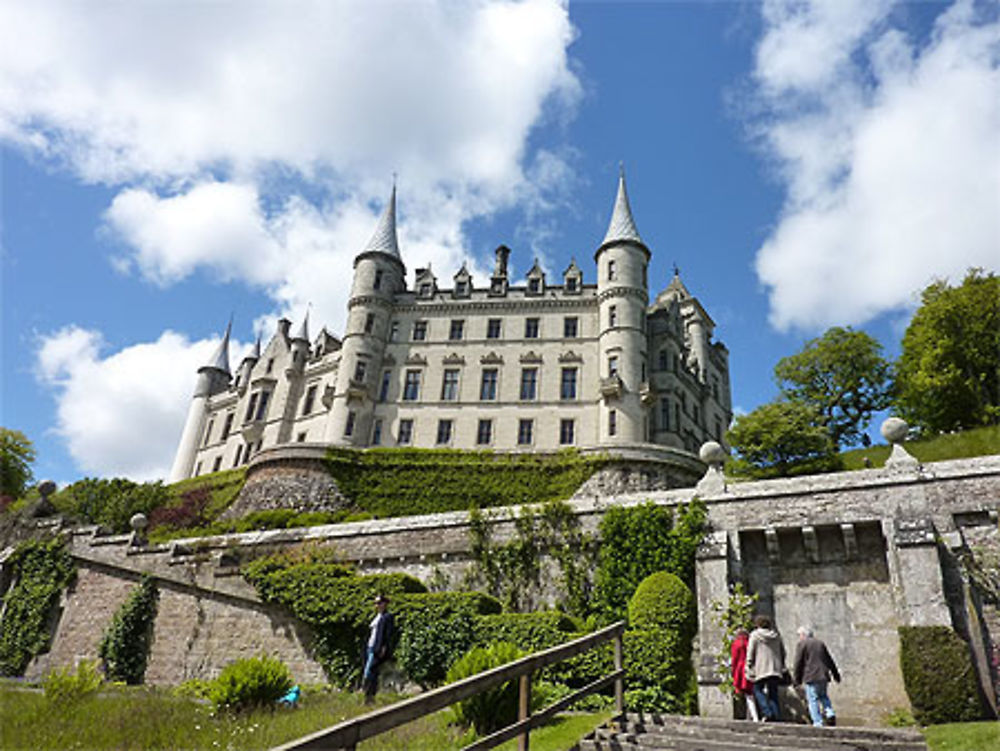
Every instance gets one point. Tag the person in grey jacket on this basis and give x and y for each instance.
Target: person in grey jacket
(765, 665)
(814, 666)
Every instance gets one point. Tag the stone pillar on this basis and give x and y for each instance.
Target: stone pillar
(712, 569)
(916, 575)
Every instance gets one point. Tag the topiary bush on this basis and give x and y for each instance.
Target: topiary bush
(249, 683)
(663, 601)
(938, 675)
(492, 709)
(125, 646)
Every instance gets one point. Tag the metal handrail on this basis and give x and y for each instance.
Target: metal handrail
(346, 735)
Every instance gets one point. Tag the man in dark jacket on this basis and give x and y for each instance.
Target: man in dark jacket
(813, 667)
(381, 632)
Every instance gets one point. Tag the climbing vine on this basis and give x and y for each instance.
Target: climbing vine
(731, 616)
(41, 569)
(125, 646)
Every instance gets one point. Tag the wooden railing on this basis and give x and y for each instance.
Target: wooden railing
(346, 735)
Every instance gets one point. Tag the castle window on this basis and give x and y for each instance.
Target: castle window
(488, 387)
(662, 363)
(262, 405)
(534, 286)
(425, 289)
(566, 432)
(697, 414)
(208, 432)
(570, 326)
(456, 330)
(612, 366)
(645, 274)
(394, 331)
(411, 386)
(529, 383)
(567, 386)
(369, 323)
(612, 422)
(301, 438)
(236, 459)
(484, 433)
(307, 406)
(419, 331)
(197, 468)
(493, 328)
(643, 374)
(251, 407)
(530, 328)
(405, 432)
(571, 284)
(718, 429)
(383, 389)
(444, 431)
(460, 289)
(349, 426)
(270, 365)
(611, 271)
(378, 279)
(613, 315)
(677, 417)
(524, 430)
(227, 425)
(246, 452)
(377, 433)
(664, 414)
(360, 369)
(217, 463)
(449, 385)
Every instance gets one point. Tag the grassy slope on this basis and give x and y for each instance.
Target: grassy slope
(966, 736)
(978, 442)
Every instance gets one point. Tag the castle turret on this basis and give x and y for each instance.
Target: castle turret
(213, 378)
(622, 297)
(379, 274)
(246, 367)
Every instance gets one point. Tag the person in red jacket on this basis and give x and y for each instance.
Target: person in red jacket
(742, 687)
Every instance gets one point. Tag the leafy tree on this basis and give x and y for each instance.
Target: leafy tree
(841, 374)
(110, 502)
(16, 455)
(948, 376)
(781, 438)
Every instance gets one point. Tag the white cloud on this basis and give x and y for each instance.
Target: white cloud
(122, 414)
(889, 153)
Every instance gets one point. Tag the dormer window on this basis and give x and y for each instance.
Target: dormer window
(425, 289)
(534, 286)
(571, 284)
(461, 288)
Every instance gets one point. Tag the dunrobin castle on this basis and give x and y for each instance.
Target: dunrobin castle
(551, 364)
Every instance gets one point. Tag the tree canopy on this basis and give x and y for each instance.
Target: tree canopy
(948, 375)
(843, 376)
(780, 438)
(16, 455)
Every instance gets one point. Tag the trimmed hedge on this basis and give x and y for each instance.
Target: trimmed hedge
(938, 675)
(662, 601)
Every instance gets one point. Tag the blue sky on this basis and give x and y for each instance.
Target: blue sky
(804, 163)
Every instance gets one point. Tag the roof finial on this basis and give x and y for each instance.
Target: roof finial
(677, 271)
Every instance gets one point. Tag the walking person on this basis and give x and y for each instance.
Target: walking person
(765, 666)
(742, 687)
(378, 648)
(814, 666)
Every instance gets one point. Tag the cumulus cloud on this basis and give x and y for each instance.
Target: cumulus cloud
(122, 413)
(888, 150)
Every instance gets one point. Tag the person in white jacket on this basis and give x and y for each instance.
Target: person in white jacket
(765, 666)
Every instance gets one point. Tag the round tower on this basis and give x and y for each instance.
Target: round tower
(622, 296)
(213, 378)
(379, 274)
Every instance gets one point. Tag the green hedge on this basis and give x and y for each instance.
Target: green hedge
(938, 675)
(397, 482)
(662, 601)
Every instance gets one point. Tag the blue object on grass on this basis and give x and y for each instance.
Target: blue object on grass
(292, 697)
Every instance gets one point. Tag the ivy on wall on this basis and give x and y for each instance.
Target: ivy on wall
(41, 569)
(125, 646)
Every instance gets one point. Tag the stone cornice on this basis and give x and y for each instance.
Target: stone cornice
(519, 305)
(640, 294)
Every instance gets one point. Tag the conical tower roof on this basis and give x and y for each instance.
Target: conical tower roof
(622, 226)
(220, 360)
(384, 240)
(303, 332)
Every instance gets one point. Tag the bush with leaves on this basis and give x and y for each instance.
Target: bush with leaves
(662, 601)
(65, 685)
(125, 646)
(110, 503)
(780, 439)
(429, 646)
(496, 707)
(659, 662)
(16, 455)
(938, 675)
(250, 683)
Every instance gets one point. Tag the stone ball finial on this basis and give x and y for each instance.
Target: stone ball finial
(46, 488)
(138, 522)
(713, 454)
(894, 430)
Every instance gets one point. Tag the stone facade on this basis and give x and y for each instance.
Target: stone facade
(533, 367)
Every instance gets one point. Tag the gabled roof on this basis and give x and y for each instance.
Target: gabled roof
(622, 226)
(384, 239)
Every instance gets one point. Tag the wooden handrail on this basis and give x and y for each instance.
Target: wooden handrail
(347, 734)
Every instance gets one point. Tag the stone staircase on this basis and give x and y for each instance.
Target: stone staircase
(662, 732)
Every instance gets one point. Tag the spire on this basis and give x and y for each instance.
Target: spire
(255, 352)
(622, 226)
(220, 361)
(384, 239)
(303, 332)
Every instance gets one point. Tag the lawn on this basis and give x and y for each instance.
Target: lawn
(978, 442)
(964, 736)
(125, 719)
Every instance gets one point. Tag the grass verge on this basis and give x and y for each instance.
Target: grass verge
(963, 736)
(978, 442)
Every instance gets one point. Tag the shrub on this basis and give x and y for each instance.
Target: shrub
(429, 646)
(249, 683)
(110, 503)
(938, 675)
(531, 631)
(659, 661)
(64, 685)
(495, 707)
(663, 601)
(126, 642)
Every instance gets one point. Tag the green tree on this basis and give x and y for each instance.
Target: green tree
(841, 374)
(16, 455)
(781, 438)
(948, 375)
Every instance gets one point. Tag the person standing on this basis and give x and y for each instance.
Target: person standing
(381, 632)
(764, 667)
(814, 666)
(743, 688)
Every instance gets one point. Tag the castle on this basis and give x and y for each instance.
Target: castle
(537, 367)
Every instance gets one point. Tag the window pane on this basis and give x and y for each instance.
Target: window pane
(570, 328)
(531, 328)
(524, 429)
(488, 388)
(566, 431)
(419, 331)
(405, 431)
(449, 386)
(411, 389)
(567, 389)
(493, 328)
(484, 434)
(455, 332)
(444, 431)
(529, 382)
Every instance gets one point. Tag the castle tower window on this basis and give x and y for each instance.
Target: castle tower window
(262, 405)
(664, 414)
(449, 385)
(570, 327)
(612, 366)
(310, 400)
(613, 315)
(270, 365)
(484, 433)
(524, 431)
(394, 331)
(378, 279)
(529, 383)
(236, 459)
(535, 286)
(645, 275)
(718, 429)
(227, 425)
(349, 426)
(611, 271)
(456, 330)
(444, 431)
(425, 289)
(301, 438)
(377, 433)
(369, 323)
(251, 407)
(567, 386)
(405, 432)
(360, 370)
(662, 363)
(208, 432)
(643, 372)
(411, 386)
(383, 389)
(217, 463)
(488, 387)
(493, 328)
(612, 422)
(566, 432)
(419, 331)
(530, 328)
(571, 284)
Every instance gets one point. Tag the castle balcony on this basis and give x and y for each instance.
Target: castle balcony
(647, 394)
(252, 431)
(612, 387)
(357, 390)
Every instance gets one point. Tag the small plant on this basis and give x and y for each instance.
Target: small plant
(732, 616)
(63, 685)
(900, 718)
(495, 707)
(250, 683)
